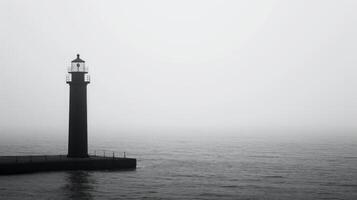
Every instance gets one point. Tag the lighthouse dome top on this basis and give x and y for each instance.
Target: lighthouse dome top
(78, 60)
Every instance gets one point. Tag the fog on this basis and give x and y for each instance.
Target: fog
(182, 66)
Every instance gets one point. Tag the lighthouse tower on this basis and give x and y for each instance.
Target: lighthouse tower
(78, 79)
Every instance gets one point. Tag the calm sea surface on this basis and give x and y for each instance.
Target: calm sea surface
(199, 167)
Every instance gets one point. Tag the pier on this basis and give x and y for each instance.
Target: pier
(45, 163)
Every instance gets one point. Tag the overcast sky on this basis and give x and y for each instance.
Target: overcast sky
(181, 65)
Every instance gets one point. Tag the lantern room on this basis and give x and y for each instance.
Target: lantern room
(78, 65)
(78, 72)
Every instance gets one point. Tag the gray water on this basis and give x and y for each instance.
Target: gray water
(195, 167)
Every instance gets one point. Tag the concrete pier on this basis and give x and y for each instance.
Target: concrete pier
(45, 163)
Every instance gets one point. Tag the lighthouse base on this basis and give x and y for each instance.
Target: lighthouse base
(31, 164)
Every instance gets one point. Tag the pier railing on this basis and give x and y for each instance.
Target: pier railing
(105, 153)
(44, 158)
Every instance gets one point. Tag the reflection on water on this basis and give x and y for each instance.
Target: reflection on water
(79, 185)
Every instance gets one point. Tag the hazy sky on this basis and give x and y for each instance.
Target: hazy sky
(181, 65)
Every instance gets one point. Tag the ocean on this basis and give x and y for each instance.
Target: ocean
(199, 166)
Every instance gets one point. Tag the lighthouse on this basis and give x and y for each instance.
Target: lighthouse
(77, 157)
(78, 79)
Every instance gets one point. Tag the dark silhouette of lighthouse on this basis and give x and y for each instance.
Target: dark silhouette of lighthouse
(77, 158)
(78, 79)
